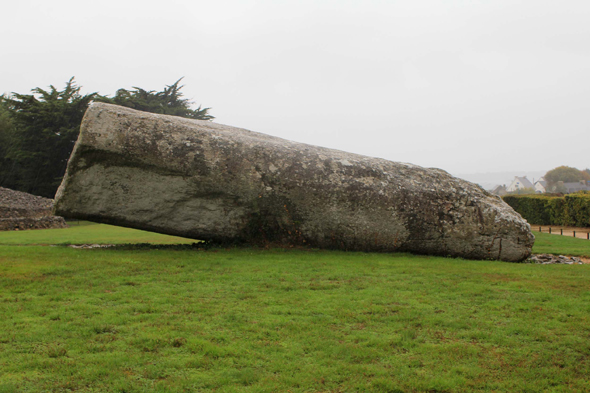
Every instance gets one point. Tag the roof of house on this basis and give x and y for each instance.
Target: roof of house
(499, 190)
(576, 186)
(526, 183)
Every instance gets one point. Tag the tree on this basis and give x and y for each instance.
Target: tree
(45, 127)
(38, 131)
(566, 174)
(7, 142)
(168, 101)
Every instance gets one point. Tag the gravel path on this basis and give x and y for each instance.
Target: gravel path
(580, 233)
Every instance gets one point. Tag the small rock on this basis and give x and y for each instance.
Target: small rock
(549, 259)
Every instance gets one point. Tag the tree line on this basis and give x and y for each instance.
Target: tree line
(564, 174)
(38, 131)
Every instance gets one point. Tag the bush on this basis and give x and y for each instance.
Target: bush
(578, 209)
(533, 208)
(556, 209)
(568, 210)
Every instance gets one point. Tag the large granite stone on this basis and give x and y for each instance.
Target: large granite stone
(214, 182)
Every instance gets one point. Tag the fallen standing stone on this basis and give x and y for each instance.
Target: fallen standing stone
(208, 181)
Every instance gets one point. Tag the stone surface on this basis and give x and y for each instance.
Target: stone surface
(550, 259)
(214, 182)
(19, 211)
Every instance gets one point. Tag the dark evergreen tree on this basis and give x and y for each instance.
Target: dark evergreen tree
(168, 102)
(7, 144)
(38, 131)
(45, 127)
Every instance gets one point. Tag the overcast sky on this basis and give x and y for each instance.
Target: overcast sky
(466, 86)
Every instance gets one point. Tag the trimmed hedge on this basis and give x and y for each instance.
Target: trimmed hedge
(578, 209)
(568, 210)
(533, 208)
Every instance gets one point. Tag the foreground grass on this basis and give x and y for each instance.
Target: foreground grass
(112, 320)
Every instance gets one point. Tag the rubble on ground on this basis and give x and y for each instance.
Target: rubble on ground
(549, 259)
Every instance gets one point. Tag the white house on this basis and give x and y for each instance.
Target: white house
(519, 183)
(541, 186)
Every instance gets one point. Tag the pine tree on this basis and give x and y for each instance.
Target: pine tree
(46, 125)
(168, 102)
(38, 131)
(7, 144)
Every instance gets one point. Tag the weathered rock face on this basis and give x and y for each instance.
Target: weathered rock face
(213, 182)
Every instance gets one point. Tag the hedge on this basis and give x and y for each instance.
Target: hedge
(568, 210)
(578, 209)
(533, 208)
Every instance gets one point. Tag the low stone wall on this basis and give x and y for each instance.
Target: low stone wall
(20, 211)
(20, 224)
(13, 212)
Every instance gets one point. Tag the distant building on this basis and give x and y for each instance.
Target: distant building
(568, 188)
(541, 186)
(519, 183)
(499, 190)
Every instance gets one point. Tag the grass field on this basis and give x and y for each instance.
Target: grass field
(556, 244)
(252, 320)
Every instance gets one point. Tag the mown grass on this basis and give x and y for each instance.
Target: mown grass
(237, 320)
(556, 244)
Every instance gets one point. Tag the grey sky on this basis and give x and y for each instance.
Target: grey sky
(466, 86)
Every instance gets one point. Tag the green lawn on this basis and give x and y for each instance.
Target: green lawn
(557, 244)
(251, 320)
